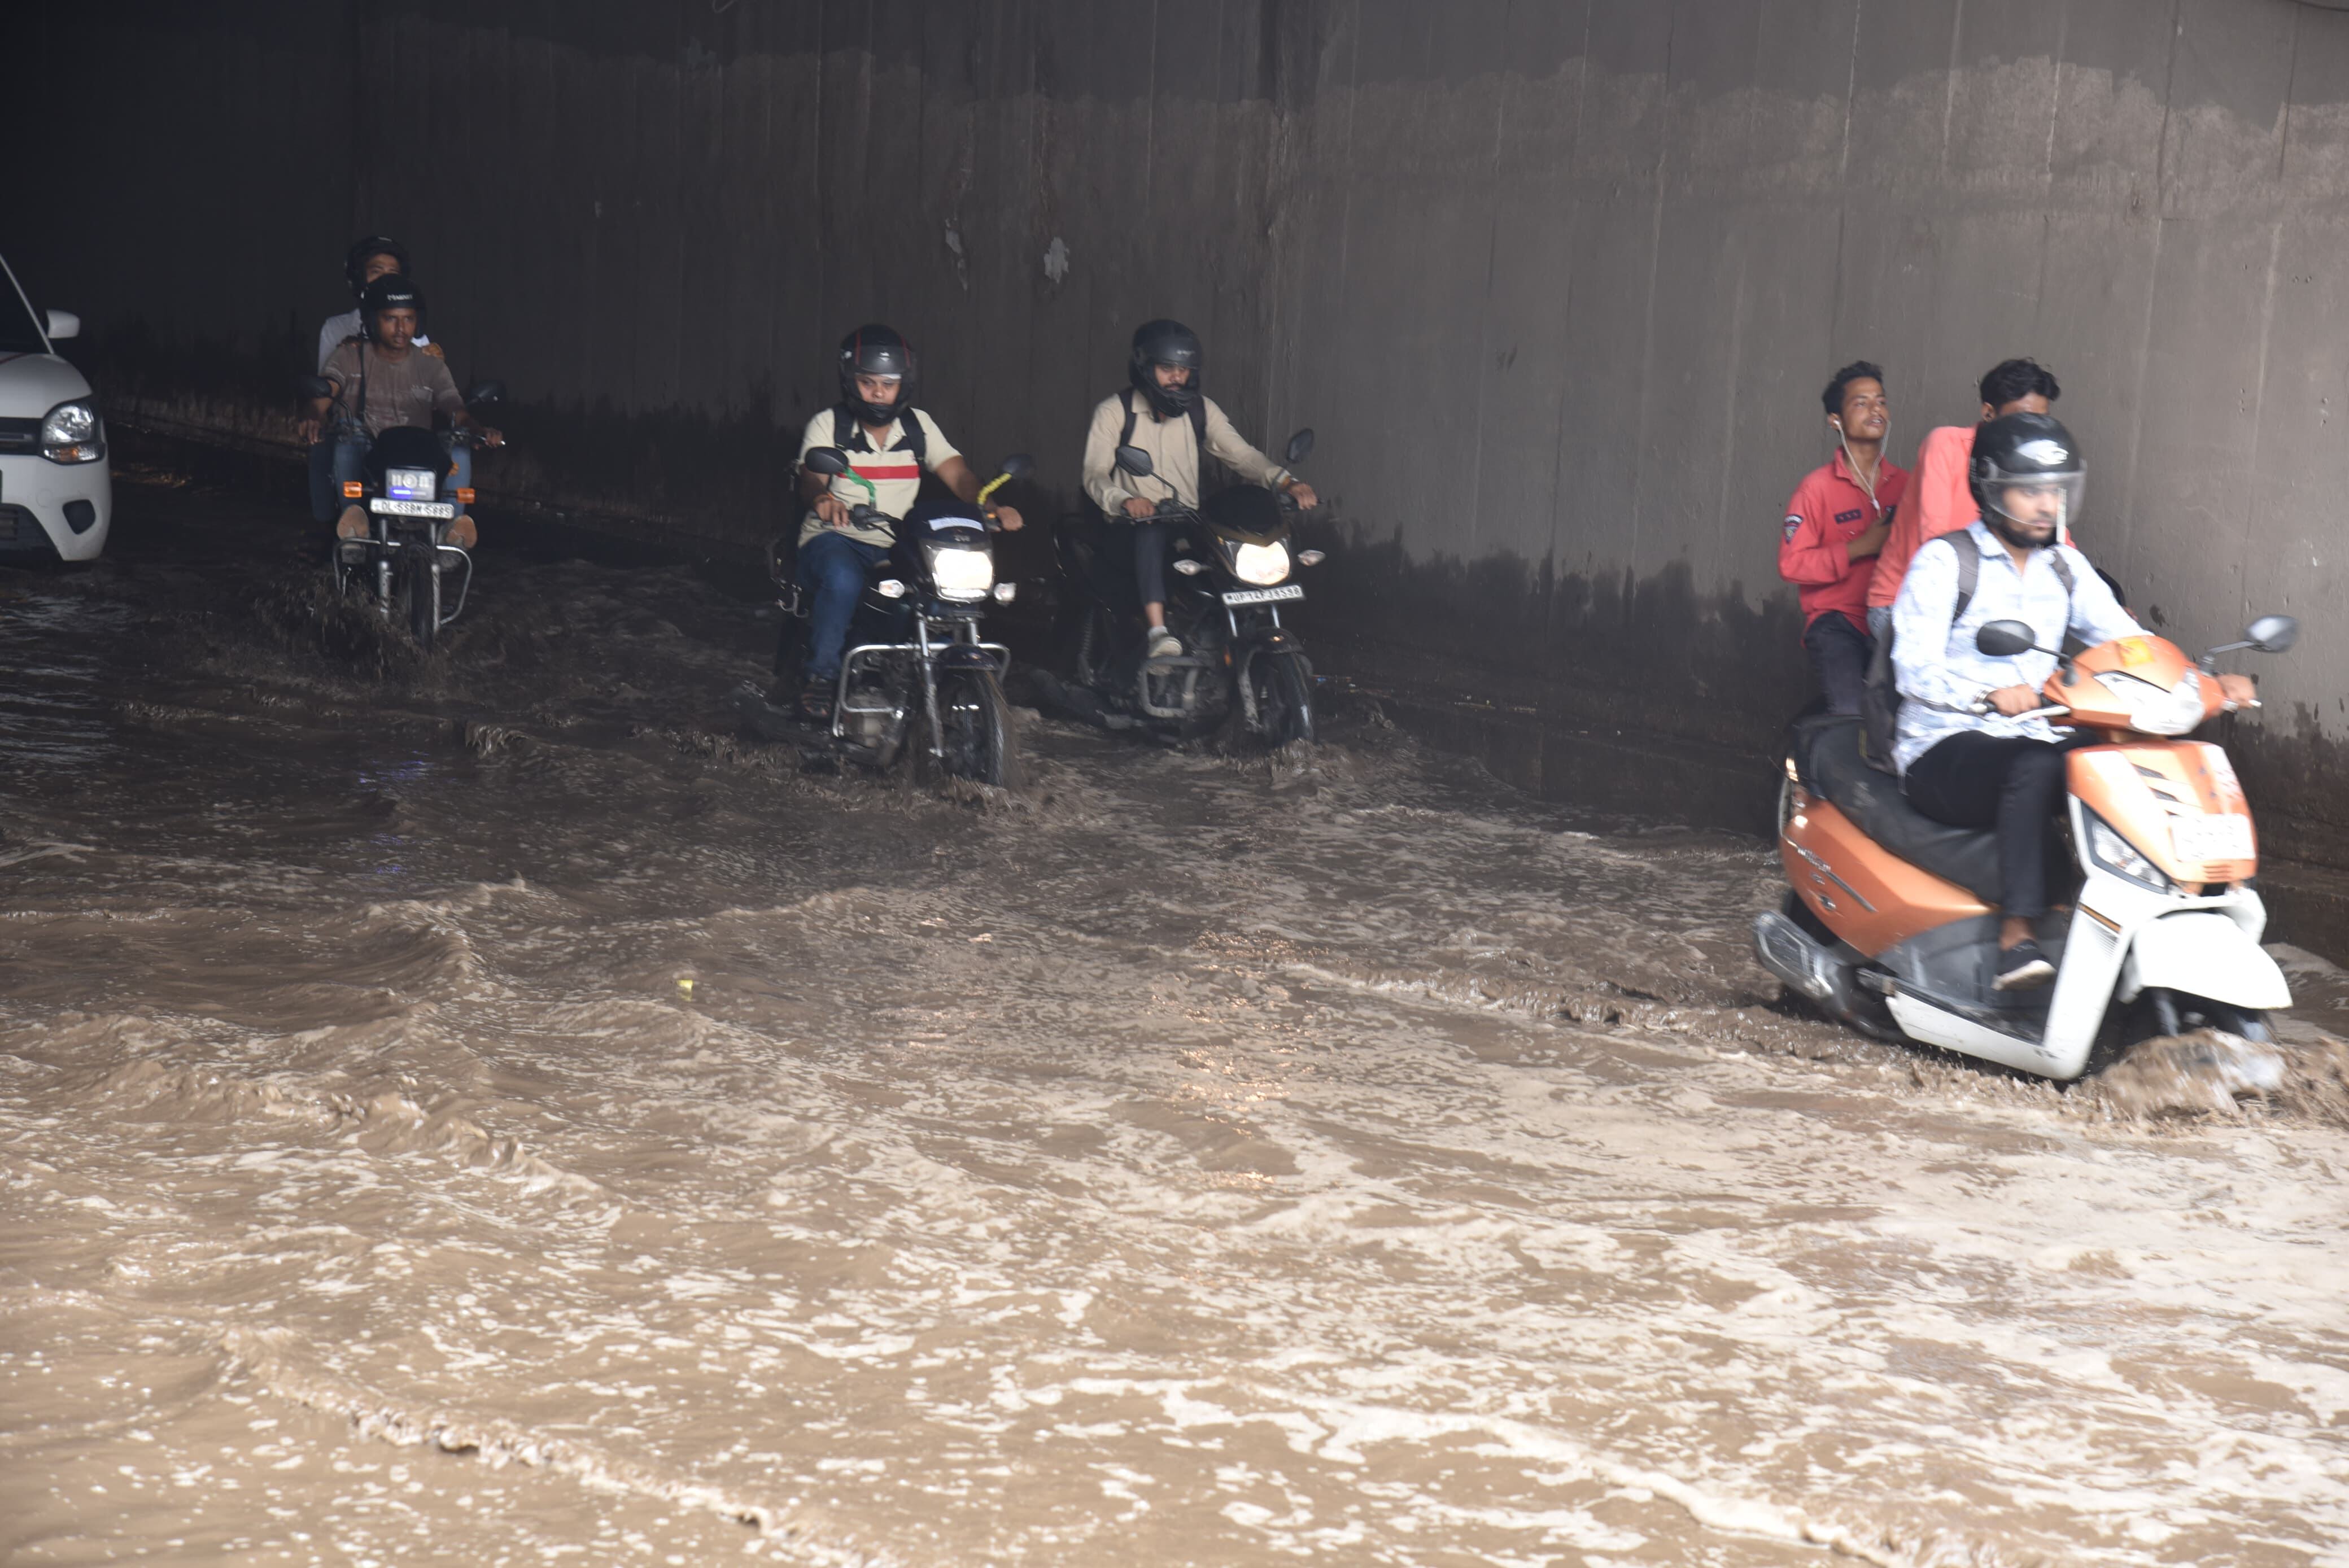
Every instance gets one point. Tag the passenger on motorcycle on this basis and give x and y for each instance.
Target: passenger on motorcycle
(381, 381)
(366, 260)
(1939, 499)
(888, 443)
(1836, 522)
(1165, 414)
(1972, 749)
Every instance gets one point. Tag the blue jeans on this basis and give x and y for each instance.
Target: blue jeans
(350, 455)
(832, 568)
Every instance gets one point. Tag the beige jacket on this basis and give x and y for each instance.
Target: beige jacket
(1174, 453)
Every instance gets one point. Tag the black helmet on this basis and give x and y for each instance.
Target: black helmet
(1166, 342)
(2033, 449)
(391, 291)
(355, 260)
(874, 349)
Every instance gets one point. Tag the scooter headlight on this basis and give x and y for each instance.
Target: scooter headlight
(2115, 854)
(2154, 710)
(1261, 565)
(961, 573)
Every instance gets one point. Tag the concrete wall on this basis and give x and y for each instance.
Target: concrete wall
(1557, 283)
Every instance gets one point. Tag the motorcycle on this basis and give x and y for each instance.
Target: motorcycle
(405, 560)
(1891, 925)
(1231, 563)
(913, 645)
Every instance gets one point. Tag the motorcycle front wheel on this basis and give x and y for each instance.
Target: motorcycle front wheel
(1284, 696)
(980, 740)
(423, 596)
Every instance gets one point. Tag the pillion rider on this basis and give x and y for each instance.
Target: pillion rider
(382, 380)
(1835, 523)
(888, 443)
(2004, 767)
(1166, 413)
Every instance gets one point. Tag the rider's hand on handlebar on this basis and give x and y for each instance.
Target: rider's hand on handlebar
(1006, 518)
(2239, 691)
(306, 428)
(1139, 509)
(2011, 700)
(490, 437)
(831, 510)
(1303, 494)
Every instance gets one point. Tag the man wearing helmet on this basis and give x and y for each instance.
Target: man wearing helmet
(1165, 414)
(366, 260)
(2002, 766)
(382, 380)
(888, 443)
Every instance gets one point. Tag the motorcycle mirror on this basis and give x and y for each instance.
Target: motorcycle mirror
(313, 386)
(2272, 633)
(1018, 466)
(486, 392)
(825, 460)
(1300, 446)
(2005, 639)
(1135, 462)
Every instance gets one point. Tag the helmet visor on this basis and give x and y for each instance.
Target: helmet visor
(2038, 496)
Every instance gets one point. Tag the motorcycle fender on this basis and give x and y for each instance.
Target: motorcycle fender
(962, 657)
(2203, 953)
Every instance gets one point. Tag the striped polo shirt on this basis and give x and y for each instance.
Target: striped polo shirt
(888, 463)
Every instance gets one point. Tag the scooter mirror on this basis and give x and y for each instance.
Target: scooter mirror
(2004, 639)
(1135, 462)
(829, 460)
(486, 392)
(1018, 466)
(1301, 447)
(313, 386)
(2272, 633)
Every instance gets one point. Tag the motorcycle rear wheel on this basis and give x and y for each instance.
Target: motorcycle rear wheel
(981, 741)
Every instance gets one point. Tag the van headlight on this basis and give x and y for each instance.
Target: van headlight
(2154, 710)
(961, 575)
(2123, 859)
(71, 433)
(1261, 565)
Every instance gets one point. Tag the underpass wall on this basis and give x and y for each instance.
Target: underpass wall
(1557, 284)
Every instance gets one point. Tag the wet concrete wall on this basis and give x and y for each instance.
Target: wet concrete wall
(1557, 283)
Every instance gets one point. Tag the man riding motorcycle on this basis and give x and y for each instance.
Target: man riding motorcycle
(366, 260)
(382, 381)
(1165, 414)
(888, 443)
(1971, 750)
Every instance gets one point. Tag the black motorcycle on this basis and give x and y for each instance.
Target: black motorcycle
(915, 668)
(1232, 561)
(406, 562)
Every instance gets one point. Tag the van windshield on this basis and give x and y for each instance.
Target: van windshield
(18, 333)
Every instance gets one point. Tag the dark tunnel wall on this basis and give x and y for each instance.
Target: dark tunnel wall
(1557, 283)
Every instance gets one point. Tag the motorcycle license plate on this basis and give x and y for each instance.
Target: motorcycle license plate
(2201, 840)
(1263, 596)
(440, 508)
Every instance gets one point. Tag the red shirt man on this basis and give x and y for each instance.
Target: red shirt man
(1941, 501)
(1837, 521)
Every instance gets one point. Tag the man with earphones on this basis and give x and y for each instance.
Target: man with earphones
(1835, 526)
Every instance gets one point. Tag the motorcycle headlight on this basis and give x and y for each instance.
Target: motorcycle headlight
(2123, 859)
(2154, 710)
(960, 573)
(1262, 565)
(71, 433)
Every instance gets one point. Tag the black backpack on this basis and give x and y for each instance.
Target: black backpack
(1879, 698)
(848, 433)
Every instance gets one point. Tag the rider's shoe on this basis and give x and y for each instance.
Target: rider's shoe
(816, 700)
(2023, 967)
(461, 532)
(352, 524)
(1163, 644)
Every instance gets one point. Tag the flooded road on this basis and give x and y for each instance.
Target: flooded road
(490, 1111)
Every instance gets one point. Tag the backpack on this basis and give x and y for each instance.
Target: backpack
(1879, 698)
(846, 430)
(1198, 412)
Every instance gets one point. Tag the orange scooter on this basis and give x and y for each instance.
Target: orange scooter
(1891, 926)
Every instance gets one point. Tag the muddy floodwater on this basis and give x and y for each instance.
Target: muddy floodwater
(491, 1111)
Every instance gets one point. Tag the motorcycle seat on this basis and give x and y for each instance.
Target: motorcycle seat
(1828, 762)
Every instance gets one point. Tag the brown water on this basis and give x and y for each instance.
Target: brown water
(1194, 1161)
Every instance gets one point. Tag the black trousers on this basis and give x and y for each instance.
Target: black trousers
(1153, 541)
(1840, 651)
(2006, 781)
